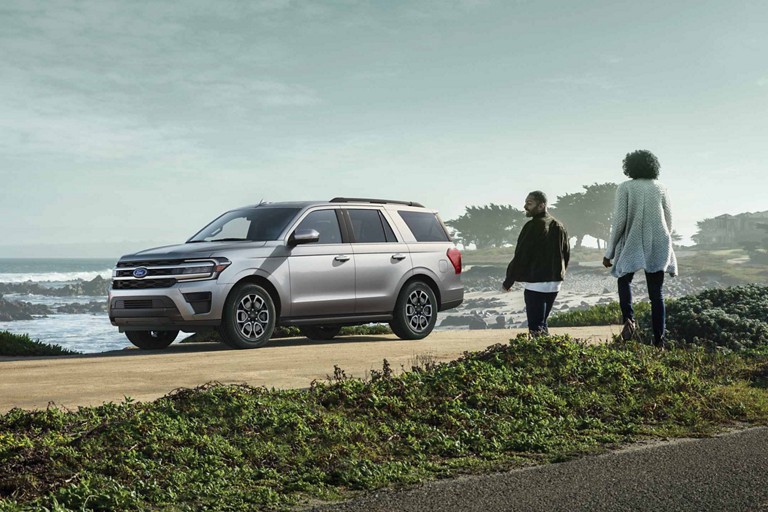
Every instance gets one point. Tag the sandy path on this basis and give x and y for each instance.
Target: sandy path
(72, 381)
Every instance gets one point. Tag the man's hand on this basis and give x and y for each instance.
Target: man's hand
(504, 290)
(607, 262)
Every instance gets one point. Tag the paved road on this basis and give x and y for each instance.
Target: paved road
(727, 473)
(71, 381)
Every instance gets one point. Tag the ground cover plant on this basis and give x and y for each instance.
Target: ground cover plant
(599, 314)
(236, 447)
(22, 345)
(733, 318)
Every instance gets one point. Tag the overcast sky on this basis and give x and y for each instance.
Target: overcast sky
(133, 122)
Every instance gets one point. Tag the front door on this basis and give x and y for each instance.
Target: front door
(322, 273)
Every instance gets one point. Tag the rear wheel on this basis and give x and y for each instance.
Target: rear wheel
(320, 332)
(415, 312)
(151, 340)
(249, 317)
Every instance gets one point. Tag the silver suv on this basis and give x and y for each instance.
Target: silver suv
(315, 265)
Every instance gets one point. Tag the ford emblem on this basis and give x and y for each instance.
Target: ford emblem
(140, 272)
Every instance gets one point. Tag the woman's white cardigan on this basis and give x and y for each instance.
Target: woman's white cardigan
(641, 231)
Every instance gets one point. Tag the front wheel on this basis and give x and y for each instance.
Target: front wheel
(249, 317)
(151, 340)
(320, 332)
(415, 312)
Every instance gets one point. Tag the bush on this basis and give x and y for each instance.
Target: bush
(21, 345)
(735, 318)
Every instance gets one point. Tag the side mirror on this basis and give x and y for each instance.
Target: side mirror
(303, 236)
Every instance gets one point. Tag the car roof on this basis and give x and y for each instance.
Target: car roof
(335, 200)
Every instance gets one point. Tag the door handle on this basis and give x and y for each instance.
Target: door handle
(341, 257)
(398, 257)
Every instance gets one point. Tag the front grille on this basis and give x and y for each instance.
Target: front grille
(142, 284)
(151, 272)
(148, 263)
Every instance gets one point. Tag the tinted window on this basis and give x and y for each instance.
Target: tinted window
(255, 224)
(325, 223)
(424, 226)
(366, 226)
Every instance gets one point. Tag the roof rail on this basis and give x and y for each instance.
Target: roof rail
(369, 200)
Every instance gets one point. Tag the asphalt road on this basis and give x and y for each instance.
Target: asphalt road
(727, 473)
(72, 381)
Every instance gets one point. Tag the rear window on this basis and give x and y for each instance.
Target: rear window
(369, 226)
(424, 226)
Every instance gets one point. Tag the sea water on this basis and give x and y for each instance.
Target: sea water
(86, 333)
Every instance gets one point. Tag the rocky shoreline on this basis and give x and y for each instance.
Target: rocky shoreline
(485, 306)
(22, 310)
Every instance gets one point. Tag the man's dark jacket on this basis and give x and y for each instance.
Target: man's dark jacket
(542, 252)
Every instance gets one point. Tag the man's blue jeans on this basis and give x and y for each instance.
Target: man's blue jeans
(655, 281)
(538, 306)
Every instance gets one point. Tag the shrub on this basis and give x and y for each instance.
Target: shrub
(21, 345)
(735, 318)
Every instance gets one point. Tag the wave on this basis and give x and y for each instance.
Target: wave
(54, 277)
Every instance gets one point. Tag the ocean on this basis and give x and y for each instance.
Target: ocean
(86, 333)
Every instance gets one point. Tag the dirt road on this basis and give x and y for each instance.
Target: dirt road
(72, 381)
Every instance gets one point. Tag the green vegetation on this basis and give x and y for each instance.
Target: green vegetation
(719, 265)
(600, 314)
(21, 345)
(237, 447)
(735, 318)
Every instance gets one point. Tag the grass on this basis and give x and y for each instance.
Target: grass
(599, 314)
(237, 447)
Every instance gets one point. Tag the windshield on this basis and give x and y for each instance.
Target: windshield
(252, 224)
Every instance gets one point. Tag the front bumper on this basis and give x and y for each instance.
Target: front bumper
(185, 306)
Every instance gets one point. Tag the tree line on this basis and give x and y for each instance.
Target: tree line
(587, 213)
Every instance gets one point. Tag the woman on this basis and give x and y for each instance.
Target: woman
(641, 239)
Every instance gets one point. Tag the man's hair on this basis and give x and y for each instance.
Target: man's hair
(641, 164)
(539, 196)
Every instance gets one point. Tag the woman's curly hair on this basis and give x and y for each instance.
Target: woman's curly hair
(641, 164)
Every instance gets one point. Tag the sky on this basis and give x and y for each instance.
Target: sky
(127, 124)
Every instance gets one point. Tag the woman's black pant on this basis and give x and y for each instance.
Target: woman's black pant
(655, 281)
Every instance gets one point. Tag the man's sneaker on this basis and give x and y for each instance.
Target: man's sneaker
(629, 331)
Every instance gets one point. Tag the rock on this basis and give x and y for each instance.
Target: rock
(12, 310)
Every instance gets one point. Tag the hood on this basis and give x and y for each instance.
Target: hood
(192, 250)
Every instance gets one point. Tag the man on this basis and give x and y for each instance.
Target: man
(541, 258)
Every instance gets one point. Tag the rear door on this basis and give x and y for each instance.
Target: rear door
(322, 273)
(381, 260)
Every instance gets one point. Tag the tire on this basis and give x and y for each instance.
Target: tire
(151, 340)
(415, 312)
(248, 319)
(320, 332)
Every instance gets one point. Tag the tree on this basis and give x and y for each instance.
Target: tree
(492, 225)
(600, 200)
(587, 213)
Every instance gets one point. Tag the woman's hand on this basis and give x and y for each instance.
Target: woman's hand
(606, 262)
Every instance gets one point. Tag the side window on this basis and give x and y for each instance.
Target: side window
(387, 229)
(325, 223)
(424, 226)
(368, 226)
